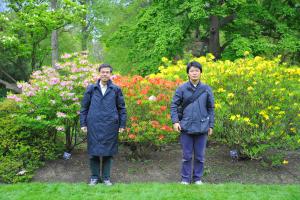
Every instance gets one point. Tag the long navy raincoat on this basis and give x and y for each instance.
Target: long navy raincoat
(103, 115)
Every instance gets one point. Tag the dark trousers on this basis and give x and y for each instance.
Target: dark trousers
(193, 146)
(95, 167)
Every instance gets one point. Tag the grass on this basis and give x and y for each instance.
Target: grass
(148, 191)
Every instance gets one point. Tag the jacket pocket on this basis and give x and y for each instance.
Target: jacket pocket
(184, 124)
(204, 125)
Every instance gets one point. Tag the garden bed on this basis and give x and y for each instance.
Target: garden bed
(164, 166)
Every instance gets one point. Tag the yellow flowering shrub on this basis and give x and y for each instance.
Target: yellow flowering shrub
(256, 101)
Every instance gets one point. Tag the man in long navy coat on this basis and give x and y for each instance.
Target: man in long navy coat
(102, 116)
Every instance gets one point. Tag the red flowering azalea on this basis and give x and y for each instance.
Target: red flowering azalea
(166, 128)
(155, 124)
(133, 118)
(132, 136)
(163, 108)
(139, 102)
(161, 137)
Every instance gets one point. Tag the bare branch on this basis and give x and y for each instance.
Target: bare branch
(226, 44)
(11, 86)
(228, 19)
(9, 76)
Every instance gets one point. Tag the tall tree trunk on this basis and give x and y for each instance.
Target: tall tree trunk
(54, 39)
(68, 139)
(84, 28)
(84, 38)
(33, 56)
(54, 47)
(197, 32)
(214, 41)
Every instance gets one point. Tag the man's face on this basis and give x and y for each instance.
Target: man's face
(105, 74)
(194, 74)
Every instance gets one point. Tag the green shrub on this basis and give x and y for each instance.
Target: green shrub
(23, 146)
(256, 103)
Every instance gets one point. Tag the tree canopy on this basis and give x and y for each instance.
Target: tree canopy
(133, 35)
(223, 28)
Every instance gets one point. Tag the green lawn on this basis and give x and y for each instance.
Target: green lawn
(41, 191)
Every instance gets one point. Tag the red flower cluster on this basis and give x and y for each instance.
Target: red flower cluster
(147, 101)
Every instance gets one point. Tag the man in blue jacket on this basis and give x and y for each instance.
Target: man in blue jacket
(195, 122)
(102, 116)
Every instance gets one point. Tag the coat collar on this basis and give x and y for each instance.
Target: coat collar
(192, 87)
(191, 84)
(109, 86)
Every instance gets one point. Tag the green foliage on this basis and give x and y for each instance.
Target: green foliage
(152, 34)
(2, 93)
(111, 15)
(165, 28)
(271, 30)
(25, 26)
(68, 42)
(24, 144)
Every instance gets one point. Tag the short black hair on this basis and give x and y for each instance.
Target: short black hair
(104, 65)
(193, 64)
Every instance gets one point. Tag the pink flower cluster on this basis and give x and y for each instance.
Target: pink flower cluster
(28, 89)
(61, 115)
(66, 83)
(83, 62)
(68, 64)
(81, 69)
(54, 81)
(60, 128)
(66, 56)
(14, 97)
(58, 66)
(67, 96)
(86, 83)
(50, 72)
(37, 75)
(30, 93)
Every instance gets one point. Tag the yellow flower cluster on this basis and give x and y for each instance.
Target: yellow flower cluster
(264, 114)
(264, 90)
(246, 120)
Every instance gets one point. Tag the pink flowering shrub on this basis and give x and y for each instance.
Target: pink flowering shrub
(41, 122)
(51, 100)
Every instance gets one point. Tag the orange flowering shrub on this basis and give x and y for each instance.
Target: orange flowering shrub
(148, 102)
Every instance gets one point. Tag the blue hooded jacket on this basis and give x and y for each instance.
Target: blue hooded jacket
(198, 116)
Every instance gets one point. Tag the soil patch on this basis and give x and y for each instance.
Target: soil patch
(164, 166)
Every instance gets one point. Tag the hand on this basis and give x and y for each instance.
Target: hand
(177, 127)
(210, 131)
(121, 130)
(84, 129)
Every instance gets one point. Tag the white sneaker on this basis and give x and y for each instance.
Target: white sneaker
(198, 183)
(107, 183)
(93, 182)
(184, 183)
